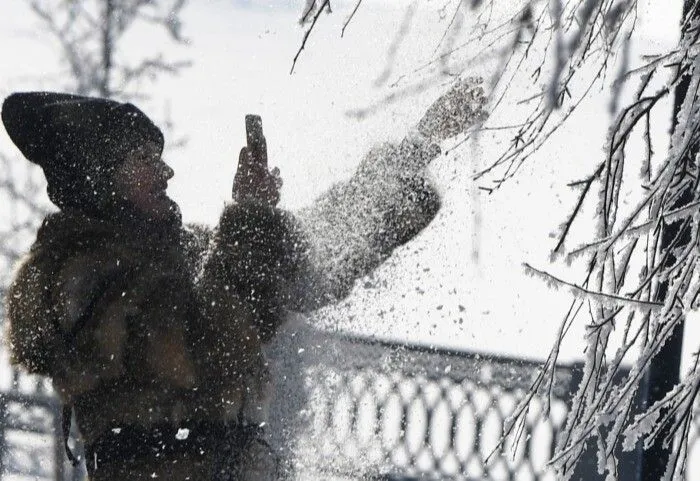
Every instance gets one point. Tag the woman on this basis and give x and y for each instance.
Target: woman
(153, 331)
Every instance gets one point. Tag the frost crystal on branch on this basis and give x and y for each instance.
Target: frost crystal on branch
(642, 276)
(644, 253)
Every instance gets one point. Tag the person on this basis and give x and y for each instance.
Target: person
(151, 330)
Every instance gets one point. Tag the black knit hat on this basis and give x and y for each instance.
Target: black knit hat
(76, 140)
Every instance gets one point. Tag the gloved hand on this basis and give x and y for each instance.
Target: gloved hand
(253, 181)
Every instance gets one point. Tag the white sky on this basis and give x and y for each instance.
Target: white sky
(242, 58)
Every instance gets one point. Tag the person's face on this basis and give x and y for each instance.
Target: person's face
(142, 180)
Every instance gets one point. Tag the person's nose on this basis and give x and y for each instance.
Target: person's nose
(167, 172)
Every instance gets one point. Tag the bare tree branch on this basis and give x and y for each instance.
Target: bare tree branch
(349, 19)
(326, 3)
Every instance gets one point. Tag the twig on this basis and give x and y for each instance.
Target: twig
(349, 19)
(637, 231)
(586, 187)
(593, 294)
(308, 32)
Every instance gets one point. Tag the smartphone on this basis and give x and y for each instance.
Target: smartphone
(256, 139)
(253, 131)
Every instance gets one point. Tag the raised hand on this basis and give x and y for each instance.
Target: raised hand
(253, 181)
(454, 111)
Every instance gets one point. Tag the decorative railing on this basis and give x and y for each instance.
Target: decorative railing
(368, 410)
(392, 411)
(30, 432)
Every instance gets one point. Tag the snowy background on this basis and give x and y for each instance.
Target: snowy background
(433, 291)
(460, 283)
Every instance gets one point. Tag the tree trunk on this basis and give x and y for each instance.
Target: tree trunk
(664, 370)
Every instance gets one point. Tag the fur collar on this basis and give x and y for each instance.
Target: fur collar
(78, 230)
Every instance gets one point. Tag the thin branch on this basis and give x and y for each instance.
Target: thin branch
(634, 232)
(602, 296)
(586, 187)
(349, 19)
(308, 32)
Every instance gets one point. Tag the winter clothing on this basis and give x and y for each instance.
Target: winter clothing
(138, 328)
(155, 328)
(203, 450)
(76, 140)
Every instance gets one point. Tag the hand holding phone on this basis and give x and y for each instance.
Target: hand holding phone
(256, 140)
(253, 181)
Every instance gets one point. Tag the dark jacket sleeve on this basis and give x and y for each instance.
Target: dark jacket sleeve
(85, 316)
(259, 252)
(277, 261)
(30, 326)
(66, 319)
(357, 224)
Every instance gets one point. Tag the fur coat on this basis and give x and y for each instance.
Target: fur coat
(148, 326)
(140, 325)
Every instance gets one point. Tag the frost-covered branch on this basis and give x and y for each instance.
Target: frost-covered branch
(642, 251)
